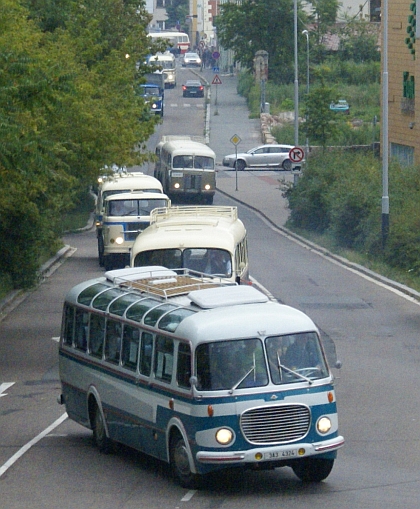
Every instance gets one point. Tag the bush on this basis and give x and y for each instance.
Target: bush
(343, 202)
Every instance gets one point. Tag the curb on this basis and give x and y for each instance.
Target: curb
(406, 290)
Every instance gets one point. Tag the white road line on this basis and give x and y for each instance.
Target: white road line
(188, 496)
(4, 387)
(27, 446)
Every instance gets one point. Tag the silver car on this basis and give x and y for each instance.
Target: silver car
(191, 60)
(264, 156)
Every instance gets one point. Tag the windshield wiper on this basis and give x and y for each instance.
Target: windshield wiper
(246, 375)
(282, 366)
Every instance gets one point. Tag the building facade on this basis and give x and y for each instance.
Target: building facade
(403, 77)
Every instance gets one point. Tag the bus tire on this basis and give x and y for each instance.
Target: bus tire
(102, 441)
(180, 464)
(108, 264)
(101, 250)
(208, 200)
(312, 469)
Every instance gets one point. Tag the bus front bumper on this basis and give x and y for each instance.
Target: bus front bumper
(282, 453)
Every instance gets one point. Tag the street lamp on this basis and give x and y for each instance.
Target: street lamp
(296, 83)
(306, 33)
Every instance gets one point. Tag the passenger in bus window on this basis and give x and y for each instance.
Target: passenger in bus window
(218, 263)
(302, 353)
(117, 208)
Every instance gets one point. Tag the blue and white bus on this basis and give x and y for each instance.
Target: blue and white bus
(200, 373)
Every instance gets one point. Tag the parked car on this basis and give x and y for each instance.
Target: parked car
(340, 106)
(270, 156)
(191, 60)
(193, 88)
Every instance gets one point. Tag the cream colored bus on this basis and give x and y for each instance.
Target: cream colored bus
(167, 63)
(121, 182)
(187, 170)
(205, 239)
(126, 215)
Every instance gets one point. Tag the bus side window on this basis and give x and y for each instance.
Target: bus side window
(80, 336)
(130, 348)
(68, 328)
(164, 358)
(183, 368)
(96, 335)
(113, 341)
(146, 350)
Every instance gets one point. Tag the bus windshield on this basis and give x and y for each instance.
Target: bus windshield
(227, 365)
(209, 261)
(294, 357)
(189, 161)
(140, 207)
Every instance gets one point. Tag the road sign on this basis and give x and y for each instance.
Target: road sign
(216, 70)
(215, 55)
(216, 80)
(296, 154)
(235, 139)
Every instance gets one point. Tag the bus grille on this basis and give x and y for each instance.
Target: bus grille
(133, 229)
(192, 182)
(275, 424)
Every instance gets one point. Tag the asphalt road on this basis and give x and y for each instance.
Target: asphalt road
(47, 461)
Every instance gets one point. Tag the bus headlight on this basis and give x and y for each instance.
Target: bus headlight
(176, 185)
(119, 240)
(224, 436)
(207, 187)
(323, 425)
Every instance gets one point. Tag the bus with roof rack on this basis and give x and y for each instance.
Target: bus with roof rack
(208, 239)
(197, 372)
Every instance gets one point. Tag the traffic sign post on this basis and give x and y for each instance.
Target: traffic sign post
(216, 81)
(236, 140)
(296, 155)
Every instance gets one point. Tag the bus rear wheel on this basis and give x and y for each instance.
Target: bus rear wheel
(312, 469)
(103, 443)
(180, 464)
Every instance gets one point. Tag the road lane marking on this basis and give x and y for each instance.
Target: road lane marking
(4, 387)
(188, 496)
(11, 461)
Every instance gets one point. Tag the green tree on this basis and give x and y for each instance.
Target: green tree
(67, 108)
(254, 25)
(359, 41)
(323, 17)
(177, 12)
(321, 123)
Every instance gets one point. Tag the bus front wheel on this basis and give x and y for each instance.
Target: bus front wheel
(103, 443)
(180, 464)
(312, 469)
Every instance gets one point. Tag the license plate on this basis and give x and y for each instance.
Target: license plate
(280, 454)
(177, 174)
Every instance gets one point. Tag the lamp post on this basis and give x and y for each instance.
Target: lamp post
(296, 84)
(306, 33)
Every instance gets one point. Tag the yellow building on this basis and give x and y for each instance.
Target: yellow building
(403, 74)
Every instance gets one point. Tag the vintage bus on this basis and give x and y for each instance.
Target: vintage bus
(120, 182)
(171, 137)
(179, 41)
(197, 373)
(125, 216)
(208, 239)
(187, 170)
(166, 63)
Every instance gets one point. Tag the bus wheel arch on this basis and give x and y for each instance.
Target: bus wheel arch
(180, 459)
(98, 424)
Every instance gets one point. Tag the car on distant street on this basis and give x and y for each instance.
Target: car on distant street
(193, 88)
(264, 156)
(191, 60)
(340, 106)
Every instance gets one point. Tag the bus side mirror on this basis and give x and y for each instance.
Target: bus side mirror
(338, 364)
(193, 381)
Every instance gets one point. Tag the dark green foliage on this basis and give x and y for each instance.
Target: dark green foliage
(177, 11)
(339, 194)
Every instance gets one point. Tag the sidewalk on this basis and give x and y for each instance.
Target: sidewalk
(229, 117)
